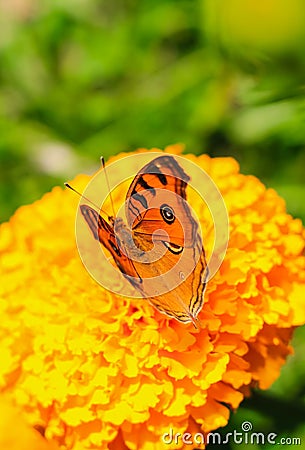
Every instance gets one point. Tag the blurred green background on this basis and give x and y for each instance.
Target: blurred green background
(81, 78)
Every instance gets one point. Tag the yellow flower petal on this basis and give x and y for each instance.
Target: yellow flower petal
(97, 370)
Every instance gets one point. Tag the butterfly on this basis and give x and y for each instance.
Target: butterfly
(159, 250)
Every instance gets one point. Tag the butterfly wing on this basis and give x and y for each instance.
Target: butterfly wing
(174, 277)
(174, 283)
(158, 190)
(104, 233)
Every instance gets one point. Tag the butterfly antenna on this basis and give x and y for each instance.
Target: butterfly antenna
(108, 185)
(98, 209)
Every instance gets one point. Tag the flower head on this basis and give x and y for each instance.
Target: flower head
(96, 370)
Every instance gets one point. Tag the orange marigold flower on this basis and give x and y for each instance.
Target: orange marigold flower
(95, 370)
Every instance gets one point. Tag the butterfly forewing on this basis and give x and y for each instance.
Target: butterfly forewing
(103, 232)
(158, 187)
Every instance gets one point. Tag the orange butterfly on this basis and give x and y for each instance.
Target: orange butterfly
(160, 249)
